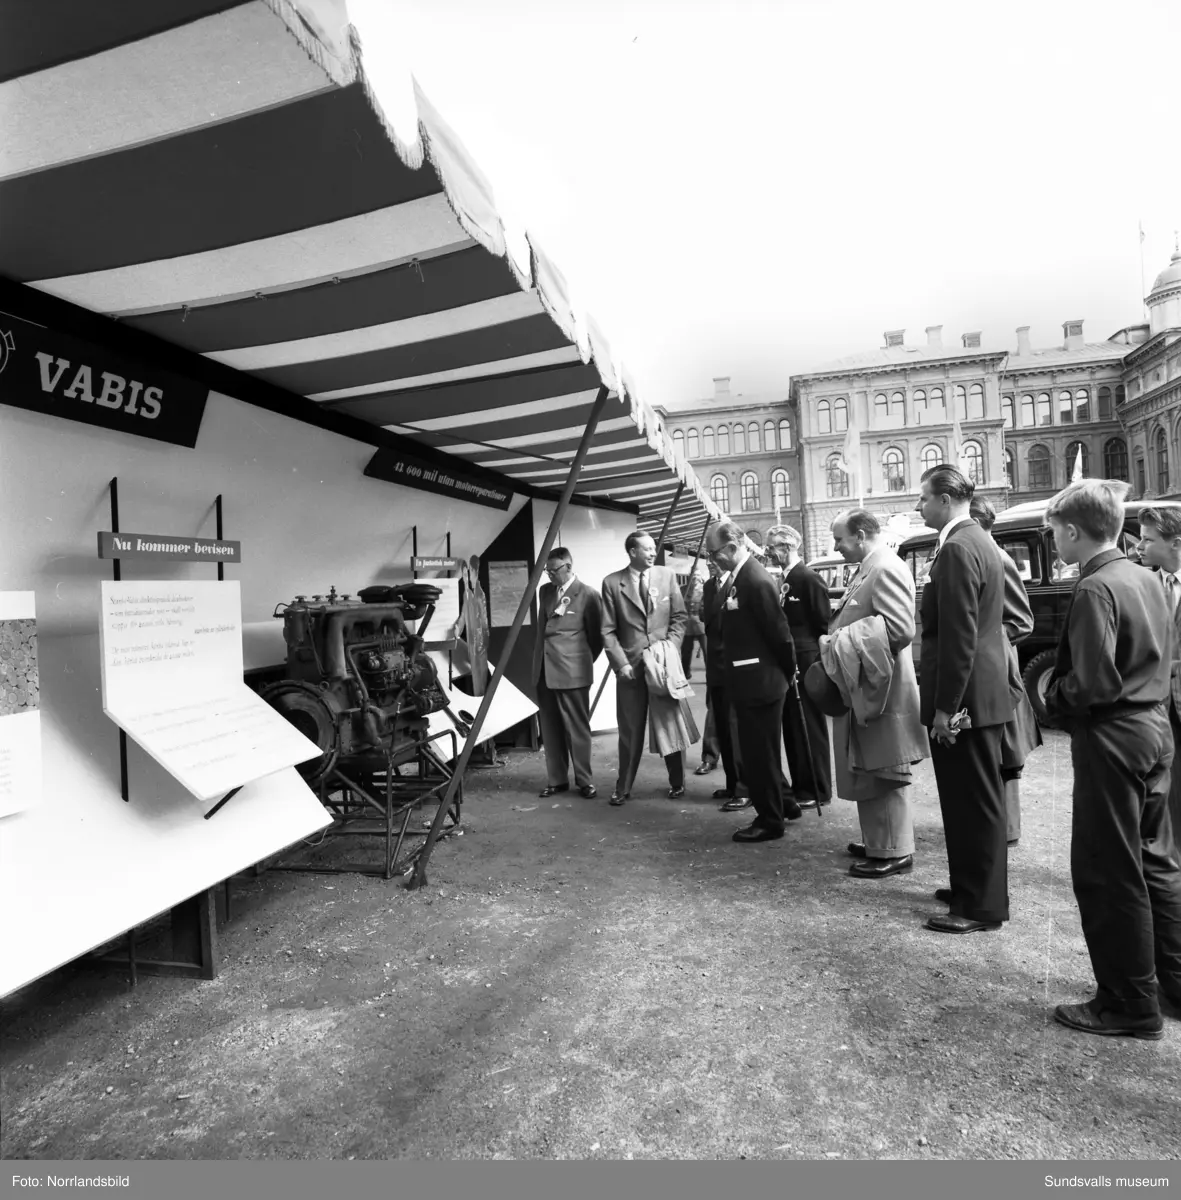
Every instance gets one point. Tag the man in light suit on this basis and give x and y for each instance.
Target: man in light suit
(642, 604)
(890, 743)
(569, 640)
(965, 664)
(759, 661)
(1160, 547)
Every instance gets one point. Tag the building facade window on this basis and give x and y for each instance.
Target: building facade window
(919, 400)
(931, 457)
(724, 441)
(1045, 415)
(976, 402)
(1037, 467)
(1065, 408)
(836, 480)
(1120, 395)
(1115, 458)
(1105, 413)
(973, 456)
(785, 434)
(1007, 413)
(719, 491)
(1082, 405)
(780, 490)
(1010, 468)
(840, 416)
(693, 444)
(894, 469)
(1071, 457)
(1027, 416)
(960, 400)
(752, 437)
(769, 435)
(1162, 463)
(898, 408)
(709, 449)
(739, 439)
(749, 485)
(937, 399)
(679, 442)
(881, 409)
(824, 417)
(1140, 486)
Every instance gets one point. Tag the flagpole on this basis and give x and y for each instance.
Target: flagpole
(1143, 289)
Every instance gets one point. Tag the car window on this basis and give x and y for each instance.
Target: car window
(1062, 572)
(1130, 545)
(1025, 556)
(921, 558)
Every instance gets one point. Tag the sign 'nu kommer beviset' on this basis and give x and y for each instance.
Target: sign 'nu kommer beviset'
(169, 547)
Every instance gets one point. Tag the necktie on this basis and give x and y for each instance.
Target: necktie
(647, 599)
(1170, 589)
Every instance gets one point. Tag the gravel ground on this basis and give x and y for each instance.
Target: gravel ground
(580, 981)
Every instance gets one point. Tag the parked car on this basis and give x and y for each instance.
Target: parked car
(835, 573)
(1022, 533)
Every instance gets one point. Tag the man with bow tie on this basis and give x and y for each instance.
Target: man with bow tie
(1160, 547)
(642, 605)
(564, 653)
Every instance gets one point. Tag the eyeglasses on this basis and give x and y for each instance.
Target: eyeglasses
(555, 571)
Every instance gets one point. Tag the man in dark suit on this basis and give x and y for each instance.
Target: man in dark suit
(1160, 547)
(759, 661)
(805, 727)
(734, 795)
(642, 604)
(1111, 683)
(965, 665)
(569, 640)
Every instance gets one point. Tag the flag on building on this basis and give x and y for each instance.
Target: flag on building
(1078, 465)
(957, 441)
(850, 456)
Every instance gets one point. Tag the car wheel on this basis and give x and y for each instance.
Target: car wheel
(1036, 677)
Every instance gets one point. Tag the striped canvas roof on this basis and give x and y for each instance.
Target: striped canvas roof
(218, 175)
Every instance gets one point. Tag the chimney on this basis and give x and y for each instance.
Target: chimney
(894, 337)
(934, 335)
(972, 340)
(1023, 341)
(722, 387)
(1072, 335)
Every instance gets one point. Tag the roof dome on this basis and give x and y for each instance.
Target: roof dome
(1169, 278)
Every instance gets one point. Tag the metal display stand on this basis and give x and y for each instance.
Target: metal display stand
(369, 796)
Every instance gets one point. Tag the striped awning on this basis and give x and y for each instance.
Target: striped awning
(219, 175)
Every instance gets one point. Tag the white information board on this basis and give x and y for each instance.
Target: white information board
(172, 681)
(446, 614)
(509, 707)
(20, 704)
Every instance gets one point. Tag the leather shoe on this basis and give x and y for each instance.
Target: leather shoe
(589, 792)
(792, 812)
(1091, 1018)
(705, 768)
(879, 868)
(813, 803)
(856, 849)
(953, 924)
(737, 804)
(554, 790)
(617, 798)
(675, 793)
(756, 833)
(944, 895)
(723, 794)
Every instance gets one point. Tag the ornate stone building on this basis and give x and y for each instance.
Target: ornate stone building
(744, 449)
(1152, 380)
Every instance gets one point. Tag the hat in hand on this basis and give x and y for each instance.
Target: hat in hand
(823, 692)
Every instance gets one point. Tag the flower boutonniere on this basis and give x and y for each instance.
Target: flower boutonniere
(732, 600)
(563, 605)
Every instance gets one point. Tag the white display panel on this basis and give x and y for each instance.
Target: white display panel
(509, 707)
(172, 681)
(20, 715)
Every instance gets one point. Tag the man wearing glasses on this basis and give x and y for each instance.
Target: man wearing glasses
(568, 642)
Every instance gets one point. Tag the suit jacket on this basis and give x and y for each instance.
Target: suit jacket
(566, 646)
(806, 606)
(760, 656)
(628, 628)
(1175, 676)
(884, 587)
(965, 660)
(712, 604)
(1017, 616)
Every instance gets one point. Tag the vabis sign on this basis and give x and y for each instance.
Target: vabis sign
(46, 371)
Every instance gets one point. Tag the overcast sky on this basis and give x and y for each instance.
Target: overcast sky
(752, 189)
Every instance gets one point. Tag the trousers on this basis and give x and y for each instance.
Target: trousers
(806, 740)
(760, 729)
(564, 716)
(887, 824)
(631, 712)
(1124, 860)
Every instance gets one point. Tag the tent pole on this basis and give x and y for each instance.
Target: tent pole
(418, 879)
(667, 522)
(704, 530)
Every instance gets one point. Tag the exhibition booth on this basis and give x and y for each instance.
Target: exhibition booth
(279, 409)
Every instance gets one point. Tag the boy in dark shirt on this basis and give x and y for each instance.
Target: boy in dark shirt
(1110, 684)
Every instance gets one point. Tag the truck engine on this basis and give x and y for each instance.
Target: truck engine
(359, 682)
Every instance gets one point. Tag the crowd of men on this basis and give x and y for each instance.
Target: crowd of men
(780, 662)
